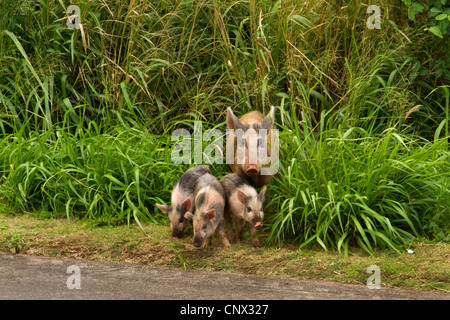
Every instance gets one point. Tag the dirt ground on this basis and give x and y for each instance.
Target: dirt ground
(427, 268)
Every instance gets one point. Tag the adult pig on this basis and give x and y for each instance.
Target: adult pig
(245, 143)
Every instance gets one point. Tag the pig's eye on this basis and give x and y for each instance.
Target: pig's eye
(205, 226)
(260, 141)
(181, 220)
(249, 209)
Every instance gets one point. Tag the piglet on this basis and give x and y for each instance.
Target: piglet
(243, 203)
(209, 208)
(183, 199)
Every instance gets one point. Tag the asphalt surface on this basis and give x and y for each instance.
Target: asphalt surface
(35, 278)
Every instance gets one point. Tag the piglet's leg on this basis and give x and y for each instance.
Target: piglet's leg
(207, 242)
(229, 224)
(255, 240)
(223, 237)
(239, 228)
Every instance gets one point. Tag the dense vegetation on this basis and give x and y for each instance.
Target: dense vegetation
(86, 114)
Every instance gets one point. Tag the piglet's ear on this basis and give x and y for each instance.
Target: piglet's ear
(241, 196)
(187, 204)
(164, 208)
(188, 215)
(211, 213)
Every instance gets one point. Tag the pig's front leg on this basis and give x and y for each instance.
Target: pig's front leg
(223, 237)
(238, 222)
(255, 240)
(229, 223)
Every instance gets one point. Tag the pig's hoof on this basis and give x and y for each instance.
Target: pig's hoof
(256, 244)
(226, 243)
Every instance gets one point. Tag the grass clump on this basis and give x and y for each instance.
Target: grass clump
(340, 188)
(112, 177)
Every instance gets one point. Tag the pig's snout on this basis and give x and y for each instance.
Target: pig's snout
(252, 170)
(176, 234)
(258, 225)
(198, 242)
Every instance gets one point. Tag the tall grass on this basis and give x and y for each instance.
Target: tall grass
(343, 187)
(144, 59)
(108, 177)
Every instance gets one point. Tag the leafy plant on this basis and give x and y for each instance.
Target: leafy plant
(16, 243)
(438, 14)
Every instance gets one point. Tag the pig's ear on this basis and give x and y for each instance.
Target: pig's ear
(188, 215)
(232, 120)
(262, 194)
(268, 120)
(211, 213)
(272, 113)
(241, 196)
(164, 208)
(186, 204)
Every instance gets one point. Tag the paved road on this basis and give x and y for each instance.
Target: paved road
(28, 277)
